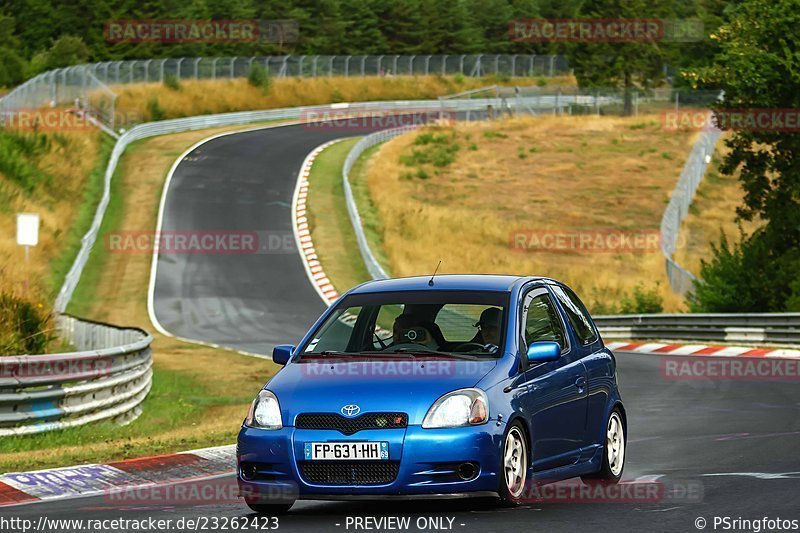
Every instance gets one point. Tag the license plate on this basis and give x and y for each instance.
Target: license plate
(346, 451)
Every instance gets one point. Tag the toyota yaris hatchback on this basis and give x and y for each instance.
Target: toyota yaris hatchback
(452, 386)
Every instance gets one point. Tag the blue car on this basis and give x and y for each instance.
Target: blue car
(458, 385)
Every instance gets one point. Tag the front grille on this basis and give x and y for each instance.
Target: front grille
(349, 426)
(349, 472)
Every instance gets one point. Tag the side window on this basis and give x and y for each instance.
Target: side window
(542, 322)
(577, 314)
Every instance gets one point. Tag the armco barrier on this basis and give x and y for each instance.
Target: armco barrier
(107, 379)
(750, 328)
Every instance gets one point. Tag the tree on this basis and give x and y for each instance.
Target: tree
(12, 65)
(758, 68)
(630, 64)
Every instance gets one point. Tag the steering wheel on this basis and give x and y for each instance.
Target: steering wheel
(469, 347)
(408, 345)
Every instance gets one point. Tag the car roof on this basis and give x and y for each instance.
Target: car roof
(445, 282)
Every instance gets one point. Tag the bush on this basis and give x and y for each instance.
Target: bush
(19, 158)
(748, 277)
(643, 301)
(172, 82)
(156, 111)
(24, 328)
(259, 77)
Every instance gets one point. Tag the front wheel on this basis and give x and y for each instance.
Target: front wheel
(269, 509)
(513, 465)
(613, 451)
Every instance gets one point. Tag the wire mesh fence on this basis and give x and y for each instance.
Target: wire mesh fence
(91, 87)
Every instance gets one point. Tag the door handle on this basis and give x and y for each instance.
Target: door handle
(580, 383)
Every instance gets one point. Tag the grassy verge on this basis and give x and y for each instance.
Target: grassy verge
(192, 403)
(58, 175)
(329, 222)
(468, 189)
(83, 220)
(140, 102)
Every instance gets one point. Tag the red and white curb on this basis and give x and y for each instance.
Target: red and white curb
(655, 348)
(302, 233)
(110, 478)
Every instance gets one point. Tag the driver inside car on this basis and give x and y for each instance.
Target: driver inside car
(489, 327)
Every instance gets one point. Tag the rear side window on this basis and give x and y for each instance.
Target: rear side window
(577, 314)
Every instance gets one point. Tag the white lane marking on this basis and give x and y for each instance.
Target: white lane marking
(758, 475)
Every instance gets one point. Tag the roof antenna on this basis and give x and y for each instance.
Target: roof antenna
(430, 281)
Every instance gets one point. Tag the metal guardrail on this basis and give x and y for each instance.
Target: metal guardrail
(766, 328)
(107, 379)
(373, 266)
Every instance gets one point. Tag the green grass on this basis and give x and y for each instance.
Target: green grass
(334, 238)
(83, 221)
(175, 401)
(370, 220)
(85, 293)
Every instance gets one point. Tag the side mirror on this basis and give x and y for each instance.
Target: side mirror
(543, 352)
(282, 353)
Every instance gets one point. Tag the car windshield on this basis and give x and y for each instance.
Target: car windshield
(417, 323)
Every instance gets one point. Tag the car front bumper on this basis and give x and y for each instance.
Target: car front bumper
(271, 463)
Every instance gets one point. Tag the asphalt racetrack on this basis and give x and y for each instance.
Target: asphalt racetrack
(732, 445)
(717, 448)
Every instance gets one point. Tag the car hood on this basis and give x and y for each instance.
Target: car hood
(408, 386)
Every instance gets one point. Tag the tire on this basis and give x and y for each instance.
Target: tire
(270, 509)
(613, 451)
(513, 466)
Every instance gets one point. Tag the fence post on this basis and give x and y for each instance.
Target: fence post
(427, 64)
(411, 65)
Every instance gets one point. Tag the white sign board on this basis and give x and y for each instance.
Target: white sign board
(27, 229)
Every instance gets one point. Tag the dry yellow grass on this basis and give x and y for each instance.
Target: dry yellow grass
(69, 161)
(119, 296)
(713, 211)
(546, 175)
(201, 97)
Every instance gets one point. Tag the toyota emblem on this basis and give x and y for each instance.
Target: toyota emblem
(350, 410)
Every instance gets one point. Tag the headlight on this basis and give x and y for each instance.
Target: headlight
(464, 407)
(264, 413)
